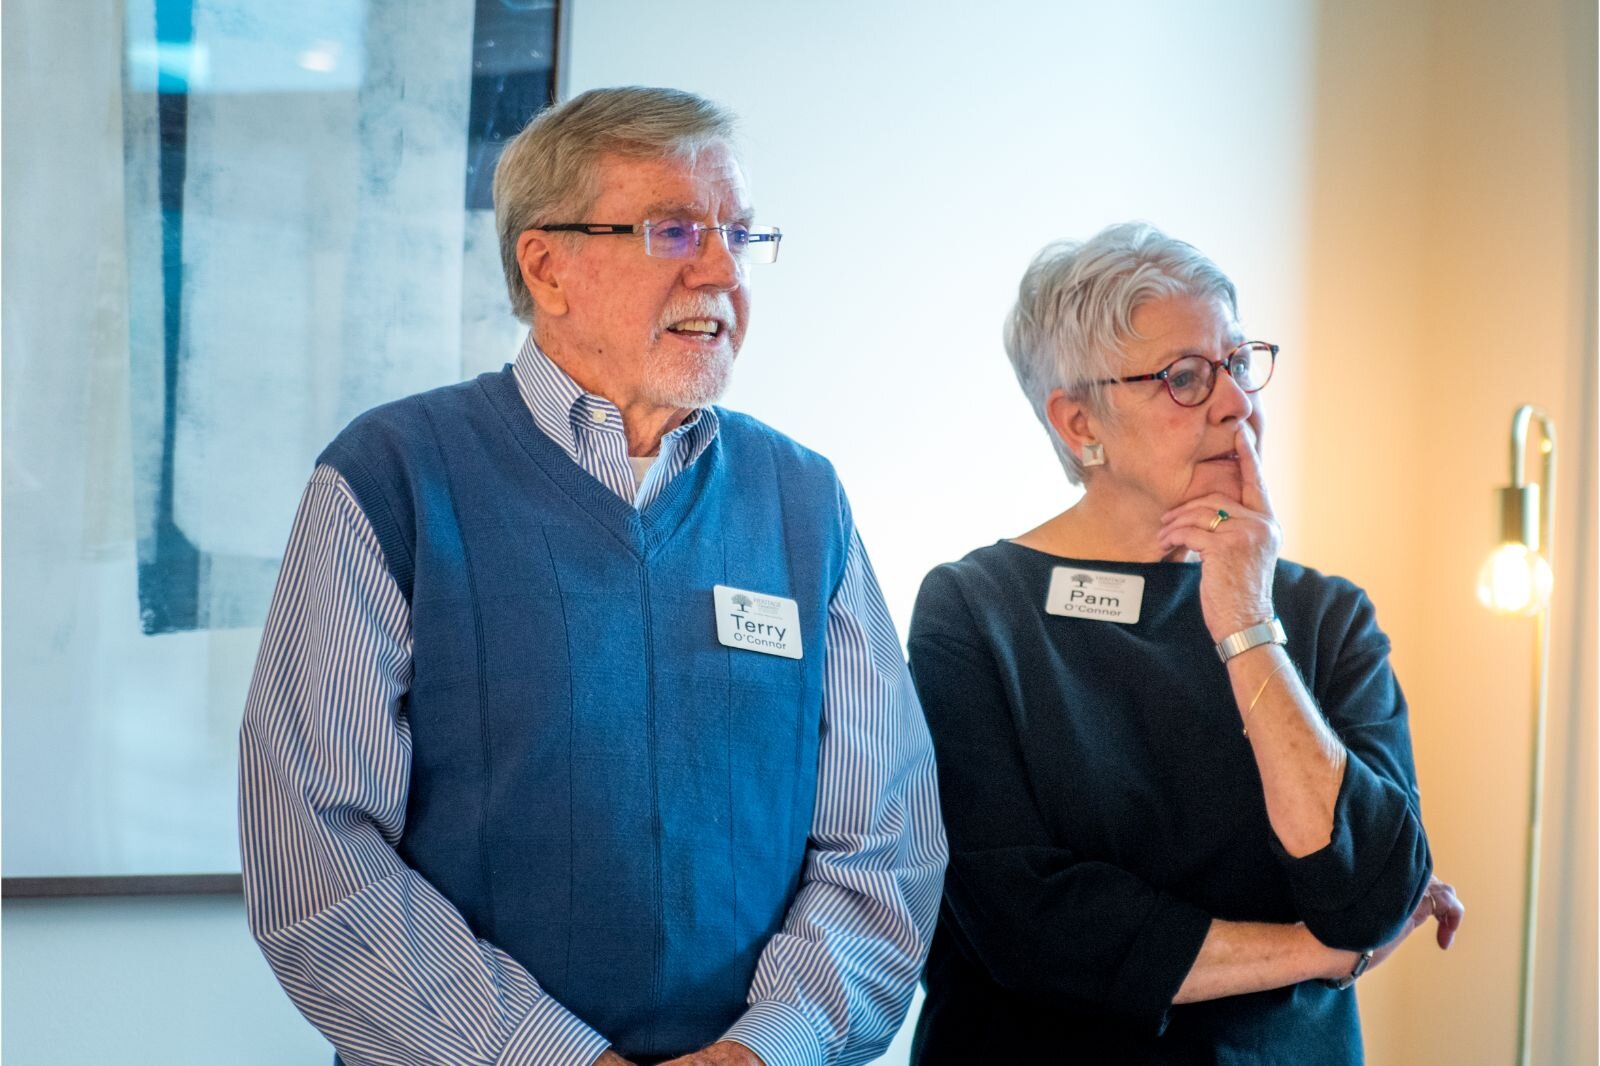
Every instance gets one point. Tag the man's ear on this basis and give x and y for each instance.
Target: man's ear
(540, 260)
(1073, 422)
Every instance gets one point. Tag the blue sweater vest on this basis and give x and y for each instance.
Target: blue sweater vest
(603, 790)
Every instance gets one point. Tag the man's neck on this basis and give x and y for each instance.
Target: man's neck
(644, 422)
(647, 424)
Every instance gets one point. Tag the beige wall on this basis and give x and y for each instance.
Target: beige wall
(1451, 277)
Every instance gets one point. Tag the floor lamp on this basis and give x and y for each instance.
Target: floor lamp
(1516, 579)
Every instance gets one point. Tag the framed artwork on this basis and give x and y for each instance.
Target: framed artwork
(303, 228)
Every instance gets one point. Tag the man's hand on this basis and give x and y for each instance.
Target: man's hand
(722, 1053)
(611, 1058)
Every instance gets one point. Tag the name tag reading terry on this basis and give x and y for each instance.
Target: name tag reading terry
(754, 621)
(1094, 594)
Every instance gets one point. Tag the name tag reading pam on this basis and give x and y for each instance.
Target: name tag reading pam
(1094, 594)
(754, 621)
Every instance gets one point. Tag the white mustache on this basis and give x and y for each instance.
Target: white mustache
(715, 307)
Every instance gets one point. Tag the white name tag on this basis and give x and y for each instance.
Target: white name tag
(754, 621)
(1094, 594)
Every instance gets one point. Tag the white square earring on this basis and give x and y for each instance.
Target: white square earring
(1094, 455)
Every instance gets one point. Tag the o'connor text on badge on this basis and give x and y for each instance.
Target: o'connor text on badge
(1094, 594)
(755, 621)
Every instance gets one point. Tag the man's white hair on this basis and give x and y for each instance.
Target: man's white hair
(549, 169)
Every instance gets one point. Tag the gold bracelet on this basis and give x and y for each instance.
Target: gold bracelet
(1260, 691)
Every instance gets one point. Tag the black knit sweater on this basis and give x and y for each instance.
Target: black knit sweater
(1103, 807)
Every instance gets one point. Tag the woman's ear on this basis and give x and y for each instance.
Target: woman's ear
(540, 261)
(1077, 426)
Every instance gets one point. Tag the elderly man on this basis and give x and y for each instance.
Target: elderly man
(579, 731)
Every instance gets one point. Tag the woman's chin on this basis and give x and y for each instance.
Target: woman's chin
(1218, 475)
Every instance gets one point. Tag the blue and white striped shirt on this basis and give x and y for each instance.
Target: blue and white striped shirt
(378, 960)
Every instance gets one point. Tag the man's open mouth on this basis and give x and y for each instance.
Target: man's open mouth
(697, 328)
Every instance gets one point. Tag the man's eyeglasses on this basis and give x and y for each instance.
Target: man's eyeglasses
(1191, 379)
(677, 239)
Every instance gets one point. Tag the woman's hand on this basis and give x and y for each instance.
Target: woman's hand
(1439, 902)
(1238, 554)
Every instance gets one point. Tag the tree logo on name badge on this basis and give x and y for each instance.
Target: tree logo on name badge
(1082, 579)
(741, 601)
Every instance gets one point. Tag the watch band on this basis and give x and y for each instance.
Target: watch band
(1269, 632)
(1356, 971)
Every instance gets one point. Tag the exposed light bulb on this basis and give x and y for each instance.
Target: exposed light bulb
(1515, 579)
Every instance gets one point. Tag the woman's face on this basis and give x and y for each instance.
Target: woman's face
(1159, 454)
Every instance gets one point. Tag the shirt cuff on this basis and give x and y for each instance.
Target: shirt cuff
(778, 1033)
(551, 1035)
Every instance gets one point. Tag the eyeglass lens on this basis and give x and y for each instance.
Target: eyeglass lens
(680, 239)
(1192, 378)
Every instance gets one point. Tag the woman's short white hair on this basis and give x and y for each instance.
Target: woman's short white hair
(1075, 308)
(549, 169)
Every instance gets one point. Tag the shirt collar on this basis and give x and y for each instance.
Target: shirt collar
(559, 406)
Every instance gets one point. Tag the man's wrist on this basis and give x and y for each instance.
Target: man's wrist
(735, 1054)
(777, 1033)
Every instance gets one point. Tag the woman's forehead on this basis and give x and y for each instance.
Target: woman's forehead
(1183, 323)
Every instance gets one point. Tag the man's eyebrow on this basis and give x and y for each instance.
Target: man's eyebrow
(662, 209)
(670, 209)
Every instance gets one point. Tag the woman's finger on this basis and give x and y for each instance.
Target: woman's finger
(1193, 538)
(1209, 505)
(1449, 911)
(1253, 485)
(1202, 515)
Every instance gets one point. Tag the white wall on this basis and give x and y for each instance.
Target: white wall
(917, 155)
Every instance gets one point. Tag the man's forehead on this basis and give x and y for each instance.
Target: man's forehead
(706, 181)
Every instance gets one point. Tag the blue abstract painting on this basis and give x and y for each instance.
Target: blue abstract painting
(306, 180)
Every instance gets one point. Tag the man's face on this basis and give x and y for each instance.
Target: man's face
(659, 331)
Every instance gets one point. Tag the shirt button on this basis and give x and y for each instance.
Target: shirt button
(596, 415)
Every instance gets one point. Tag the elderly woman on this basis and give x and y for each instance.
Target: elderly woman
(1175, 769)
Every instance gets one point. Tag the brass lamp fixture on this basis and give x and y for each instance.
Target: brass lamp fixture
(1517, 579)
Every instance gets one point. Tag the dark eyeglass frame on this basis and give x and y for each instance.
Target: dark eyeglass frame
(1226, 363)
(753, 235)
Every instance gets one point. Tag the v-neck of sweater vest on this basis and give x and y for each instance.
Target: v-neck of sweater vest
(641, 532)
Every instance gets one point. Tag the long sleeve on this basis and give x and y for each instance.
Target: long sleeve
(1043, 921)
(833, 986)
(1357, 891)
(370, 952)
